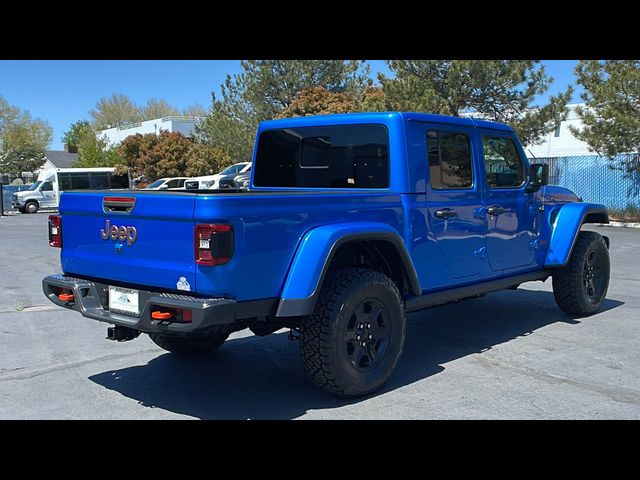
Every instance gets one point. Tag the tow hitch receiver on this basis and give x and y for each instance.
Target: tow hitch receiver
(122, 334)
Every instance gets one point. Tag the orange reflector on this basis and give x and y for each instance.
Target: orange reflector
(161, 315)
(66, 297)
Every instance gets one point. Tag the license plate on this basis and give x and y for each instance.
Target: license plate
(124, 300)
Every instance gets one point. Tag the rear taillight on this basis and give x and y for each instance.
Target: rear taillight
(55, 231)
(213, 244)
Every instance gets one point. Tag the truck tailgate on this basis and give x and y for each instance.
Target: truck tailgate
(158, 253)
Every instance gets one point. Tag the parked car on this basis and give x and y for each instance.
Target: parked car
(175, 183)
(45, 192)
(243, 181)
(231, 181)
(352, 221)
(211, 182)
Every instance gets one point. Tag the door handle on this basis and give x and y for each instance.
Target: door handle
(446, 213)
(495, 210)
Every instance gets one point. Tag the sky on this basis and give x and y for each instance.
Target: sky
(63, 91)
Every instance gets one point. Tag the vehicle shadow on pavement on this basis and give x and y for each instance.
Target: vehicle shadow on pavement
(262, 378)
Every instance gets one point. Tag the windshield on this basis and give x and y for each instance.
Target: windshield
(231, 169)
(157, 183)
(34, 186)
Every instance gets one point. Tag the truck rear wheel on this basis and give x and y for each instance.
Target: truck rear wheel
(187, 346)
(581, 286)
(352, 342)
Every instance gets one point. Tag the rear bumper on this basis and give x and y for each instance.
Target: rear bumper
(91, 300)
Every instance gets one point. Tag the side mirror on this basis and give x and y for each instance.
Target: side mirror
(538, 176)
(164, 187)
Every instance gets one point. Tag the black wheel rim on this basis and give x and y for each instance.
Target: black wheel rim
(367, 335)
(592, 276)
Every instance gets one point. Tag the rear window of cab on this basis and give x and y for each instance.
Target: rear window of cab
(328, 156)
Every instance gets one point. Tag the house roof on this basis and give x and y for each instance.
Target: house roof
(61, 158)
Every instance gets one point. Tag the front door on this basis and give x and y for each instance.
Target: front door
(48, 195)
(510, 211)
(454, 200)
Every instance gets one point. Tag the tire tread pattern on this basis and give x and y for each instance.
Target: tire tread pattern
(567, 281)
(316, 331)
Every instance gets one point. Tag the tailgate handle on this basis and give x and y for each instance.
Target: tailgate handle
(118, 204)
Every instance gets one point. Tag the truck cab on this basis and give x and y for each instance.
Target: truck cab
(350, 222)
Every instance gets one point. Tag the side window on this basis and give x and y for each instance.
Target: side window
(173, 183)
(99, 181)
(46, 187)
(450, 163)
(502, 163)
(119, 181)
(181, 182)
(64, 181)
(80, 181)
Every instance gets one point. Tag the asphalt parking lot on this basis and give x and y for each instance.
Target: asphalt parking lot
(508, 355)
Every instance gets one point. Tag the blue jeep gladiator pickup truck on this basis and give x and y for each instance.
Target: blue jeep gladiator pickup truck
(350, 222)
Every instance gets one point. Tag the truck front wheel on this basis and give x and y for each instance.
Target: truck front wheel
(31, 207)
(352, 342)
(187, 346)
(580, 287)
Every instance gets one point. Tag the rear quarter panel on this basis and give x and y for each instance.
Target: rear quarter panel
(269, 228)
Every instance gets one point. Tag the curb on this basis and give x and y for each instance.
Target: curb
(619, 224)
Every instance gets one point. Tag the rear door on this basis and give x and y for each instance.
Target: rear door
(510, 211)
(453, 199)
(156, 248)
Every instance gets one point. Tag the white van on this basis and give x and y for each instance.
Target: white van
(45, 192)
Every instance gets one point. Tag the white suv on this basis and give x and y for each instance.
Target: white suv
(175, 183)
(212, 182)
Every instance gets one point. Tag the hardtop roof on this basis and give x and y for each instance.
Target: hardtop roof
(372, 117)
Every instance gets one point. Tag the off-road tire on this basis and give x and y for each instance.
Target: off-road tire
(324, 348)
(571, 284)
(31, 207)
(188, 346)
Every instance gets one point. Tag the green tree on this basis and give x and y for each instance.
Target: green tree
(373, 99)
(611, 115)
(169, 154)
(115, 111)
(499, 90)
(318, 101)
(205, 159)
(157, 109)
(195, 110)
(263, 90)
(8, 113)
(23, 140)
(72, 136)
(93, 150)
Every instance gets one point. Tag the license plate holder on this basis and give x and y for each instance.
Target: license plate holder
(124, 300)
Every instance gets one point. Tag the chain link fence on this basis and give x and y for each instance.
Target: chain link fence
(597, 179)
(7, 192)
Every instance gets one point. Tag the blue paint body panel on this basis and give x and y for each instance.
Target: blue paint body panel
(282, 236)
(307, 266)
(565, 231)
